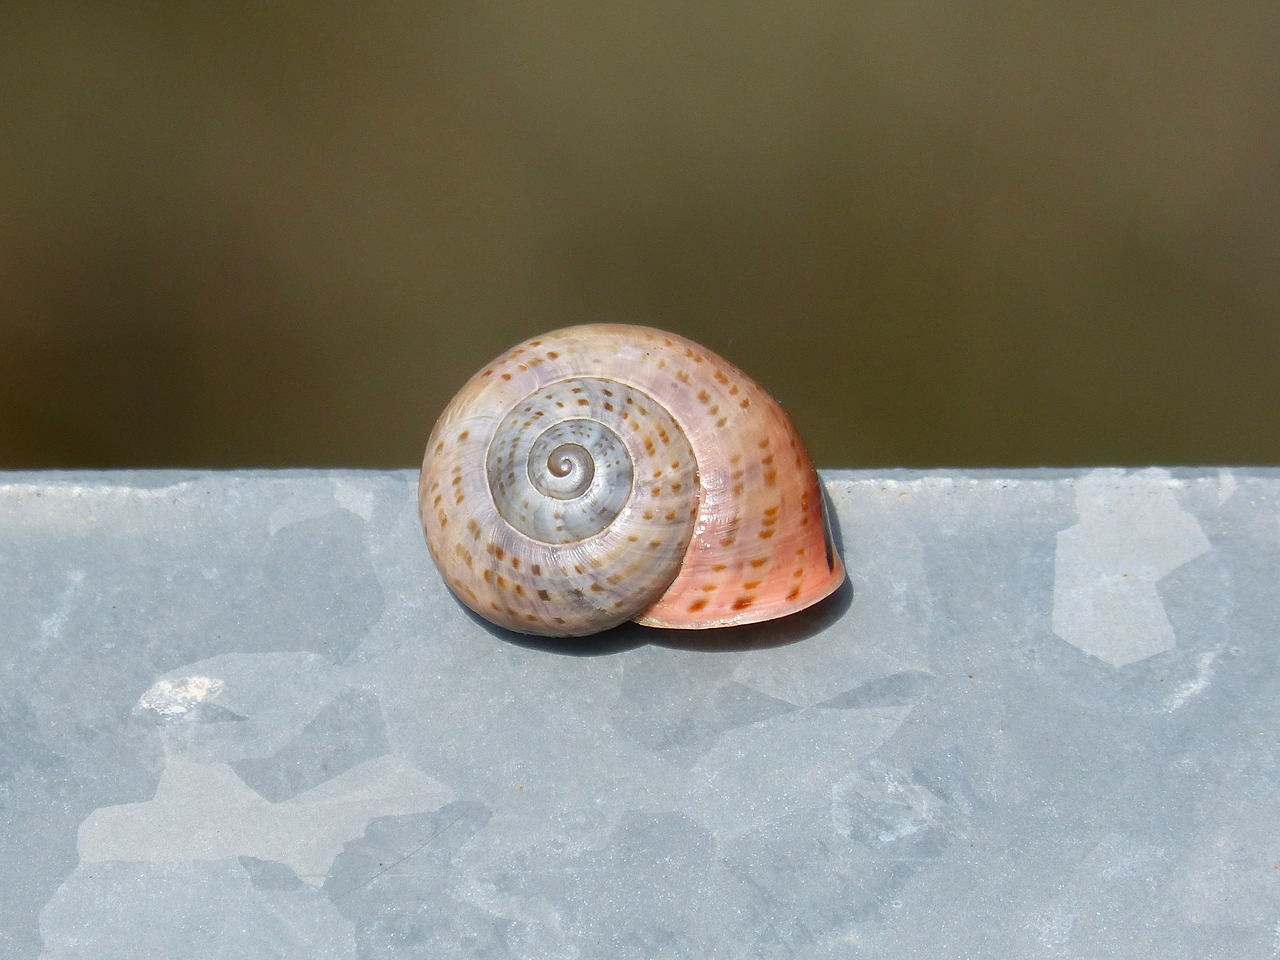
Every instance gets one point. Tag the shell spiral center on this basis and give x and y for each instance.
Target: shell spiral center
(556, 475)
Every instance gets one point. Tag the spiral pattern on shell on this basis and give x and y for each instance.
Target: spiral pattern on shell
(606, 473)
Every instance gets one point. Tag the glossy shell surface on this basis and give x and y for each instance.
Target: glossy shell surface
(606, 473)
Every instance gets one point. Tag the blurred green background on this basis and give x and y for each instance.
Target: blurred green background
(941, 233)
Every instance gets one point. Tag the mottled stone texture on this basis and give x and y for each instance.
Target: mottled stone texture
(240, 717)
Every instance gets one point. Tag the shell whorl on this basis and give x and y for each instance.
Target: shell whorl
(606, 473)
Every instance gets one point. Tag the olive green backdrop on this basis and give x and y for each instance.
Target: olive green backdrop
(941, 233)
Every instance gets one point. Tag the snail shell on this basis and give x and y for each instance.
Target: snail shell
(606, 473)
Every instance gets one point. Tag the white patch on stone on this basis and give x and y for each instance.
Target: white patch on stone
(169, 698)
(1205, 667)
(52, 625)
(356, 497)
(1226, 485)
(880, 805)
(346, 496)
(1132, 533)
(203, 811)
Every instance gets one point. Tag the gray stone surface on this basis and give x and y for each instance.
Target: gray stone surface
(240, 717)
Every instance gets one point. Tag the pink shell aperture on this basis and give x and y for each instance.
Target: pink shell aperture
(606, 473)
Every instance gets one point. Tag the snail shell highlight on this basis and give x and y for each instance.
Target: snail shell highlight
(606, 473)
